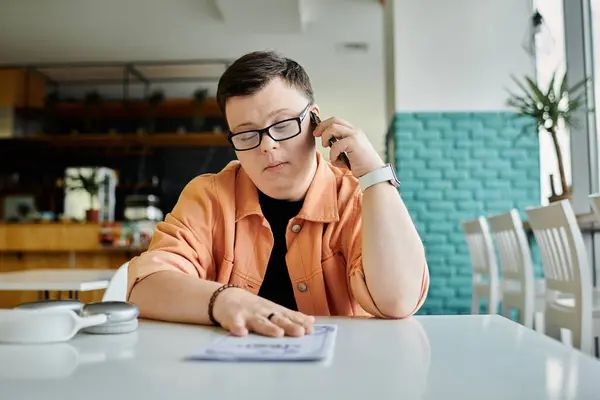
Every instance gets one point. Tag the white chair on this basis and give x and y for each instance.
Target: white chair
(595, 203)
(117, 287)
(569, 292)
(520, 289)
(483, 262)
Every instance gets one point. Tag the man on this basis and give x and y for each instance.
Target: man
(281, 235)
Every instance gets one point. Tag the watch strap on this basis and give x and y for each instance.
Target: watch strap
(384, 174)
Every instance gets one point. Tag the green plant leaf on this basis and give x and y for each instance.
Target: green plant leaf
(539, 96)
(563, 87)
(551, 85)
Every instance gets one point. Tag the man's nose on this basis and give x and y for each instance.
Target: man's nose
(267, 144)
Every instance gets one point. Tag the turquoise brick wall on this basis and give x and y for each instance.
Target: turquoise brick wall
(456, 166)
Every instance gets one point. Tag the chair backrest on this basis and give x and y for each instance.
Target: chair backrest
(481, 249)
(566, 269)
(117, 288)
(511, 242)
(595, 203)
(515, 264)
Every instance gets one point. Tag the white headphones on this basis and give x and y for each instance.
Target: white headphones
(50, 321)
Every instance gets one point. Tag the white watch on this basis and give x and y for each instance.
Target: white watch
(383, 174)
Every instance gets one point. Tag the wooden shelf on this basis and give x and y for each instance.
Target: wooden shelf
(132, 139)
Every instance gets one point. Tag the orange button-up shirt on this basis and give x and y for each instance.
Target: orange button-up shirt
(217, 231)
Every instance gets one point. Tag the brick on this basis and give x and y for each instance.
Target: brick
(441, 164)
(429, 134)
(429, 195)
(519, 193)
(484, 153)
(486, 134)
(430, 153)
(438, 282)
(458, 195)
(435, 259)
(435, 238)
(493, 184)
(439, 184)
(443, 124)
(428, 174)
(499, 143)
(414, 184)
(439, 144)
(459, 303)
(457, 135)
(497, 164)
(496, 122)
(405, 175)
(484, 174)
(511, 174)
(442, 206)
(441, 227)
(469, 144)
(488, 194)
(466, 291)
(469, 185)
(406, 163)
(474, 206)
(408, 145)
(459, 281)
(470, 124)
(404, 134)
(469, 164)
(459, 259)
(514, 153)
(434, 303)
(416, 207)
(526, 164)
(457, 154)
(455, 174)
(499, 205)
(409, 154)
(409, 124)
(444, 292)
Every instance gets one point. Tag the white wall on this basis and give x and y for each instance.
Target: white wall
(458, 55)
(547, 63)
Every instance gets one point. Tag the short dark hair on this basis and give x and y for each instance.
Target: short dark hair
(253, 71)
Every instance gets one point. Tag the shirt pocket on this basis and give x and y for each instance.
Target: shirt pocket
(335, 274)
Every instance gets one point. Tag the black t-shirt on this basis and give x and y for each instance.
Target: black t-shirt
(277, 285)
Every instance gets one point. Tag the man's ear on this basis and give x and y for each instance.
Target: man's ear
(315, 117)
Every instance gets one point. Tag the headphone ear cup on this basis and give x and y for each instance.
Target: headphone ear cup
(113, 328)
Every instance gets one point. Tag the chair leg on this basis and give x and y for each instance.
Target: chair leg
(475, 304)
(539, 322)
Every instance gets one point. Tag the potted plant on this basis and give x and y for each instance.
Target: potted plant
(87, 183)
(550, 109)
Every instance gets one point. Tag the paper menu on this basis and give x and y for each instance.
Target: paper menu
(317, 346)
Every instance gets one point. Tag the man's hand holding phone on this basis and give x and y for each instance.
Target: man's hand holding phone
(345, 140)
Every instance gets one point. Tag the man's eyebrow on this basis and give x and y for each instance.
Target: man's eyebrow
(272, 113)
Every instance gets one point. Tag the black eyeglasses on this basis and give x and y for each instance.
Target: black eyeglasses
(279, 131)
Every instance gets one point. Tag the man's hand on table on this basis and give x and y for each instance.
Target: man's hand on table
(241, 312)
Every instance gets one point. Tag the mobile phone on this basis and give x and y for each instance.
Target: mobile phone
(343, 156)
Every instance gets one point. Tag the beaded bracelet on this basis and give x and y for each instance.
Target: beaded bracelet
(211, 303)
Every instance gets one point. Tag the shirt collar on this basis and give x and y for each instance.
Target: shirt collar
(320, 203)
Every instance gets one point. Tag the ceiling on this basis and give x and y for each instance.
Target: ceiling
(339, 42)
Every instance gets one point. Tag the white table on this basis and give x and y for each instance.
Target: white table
(68, 280)
(429, 357)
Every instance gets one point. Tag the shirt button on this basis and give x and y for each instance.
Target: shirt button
(302, 287)
(296, 228)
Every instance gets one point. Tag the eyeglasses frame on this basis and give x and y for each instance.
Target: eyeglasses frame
(261, 132)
